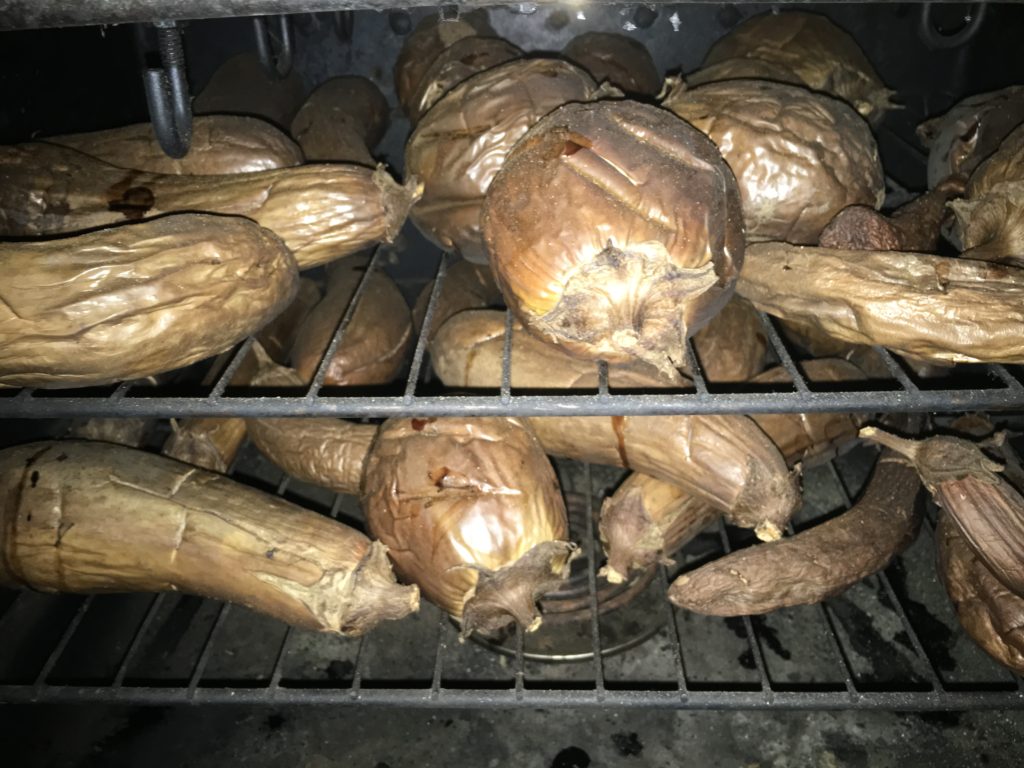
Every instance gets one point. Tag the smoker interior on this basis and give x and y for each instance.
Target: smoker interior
(891, 641)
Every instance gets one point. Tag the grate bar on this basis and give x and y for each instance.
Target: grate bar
(274, 683)
(421, 342)
(1002, 698)
(229, 373)
(62, 643)
(520, 686)
(435, 682)
(595, 622)
(892, 364)
(1011, 381)
(204, 654)
(136, 642)
(346, 319)
(676, 637)
(786, 359)
(506, 360)
(582, 404)
(356, 688)
(602, 379)
(695, 369)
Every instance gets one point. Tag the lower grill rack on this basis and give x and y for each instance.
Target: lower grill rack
(889, 642)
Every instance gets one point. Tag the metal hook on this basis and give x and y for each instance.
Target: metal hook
(935, 39)
(167, 93)
(277, 63)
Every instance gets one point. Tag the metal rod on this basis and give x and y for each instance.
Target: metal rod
(357, 671)
(602, 379)
(275, 673)
(62, 643)
(533, 698)
(435, 680)
(121, 391)
(783, 353)
(506, 359)
(892, 364)
(1011, 381)
(321, 370)
(696, 370)
(229, 373)
(422, 341)
(594, 548)
(575, 404)
(136, 642)
(520, 673)
(676, 636)
(204, 654)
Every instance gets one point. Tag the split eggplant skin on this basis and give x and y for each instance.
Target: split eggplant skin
(965, 482)
(816, 563)
(79, 516)
(990, 613)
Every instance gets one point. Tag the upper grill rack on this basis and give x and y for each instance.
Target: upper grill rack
(970, 387)
(119, 648)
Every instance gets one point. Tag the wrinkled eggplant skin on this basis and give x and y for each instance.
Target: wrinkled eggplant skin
(92, 517)
(129, 302)
(989, 222)
(457, 63)
(462, 142)
(622, 61)
(962, 138)
(799, 157)
(927, 307)
(614, 231)
(990, 613)
(814, 52)
(220, 144)
(459, 503)
(345, 208)
(816, 563)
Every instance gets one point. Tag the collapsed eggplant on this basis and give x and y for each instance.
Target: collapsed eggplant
(471, 511)
(242, 86)
(462, 142)
(810, 49)
(220, 144)
(647, 518)
(614, 231)
(93, 517)
(989, 612)
(345, 208)
(622, 61)
(816, 563)
(133, 301)
(725, 460)
(341, 121)
(799, 157)
(923, 306)
(988, 511)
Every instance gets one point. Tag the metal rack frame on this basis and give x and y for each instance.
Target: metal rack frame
(903, 393)
(682, 693)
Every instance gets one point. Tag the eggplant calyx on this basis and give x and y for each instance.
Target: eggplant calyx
(631, 539)
(376, 596)
(939, 459)
(511, 593)
(397, 199)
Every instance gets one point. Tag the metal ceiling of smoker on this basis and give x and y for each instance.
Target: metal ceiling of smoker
(38, 14)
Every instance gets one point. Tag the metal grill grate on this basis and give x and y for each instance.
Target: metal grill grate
(890, 642)
(970, 387)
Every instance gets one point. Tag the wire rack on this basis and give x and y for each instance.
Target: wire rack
(890, 642)
(969, 387)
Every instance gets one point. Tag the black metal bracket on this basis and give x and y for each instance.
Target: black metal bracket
(936, 39)
(274, 47)
(167, 94)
